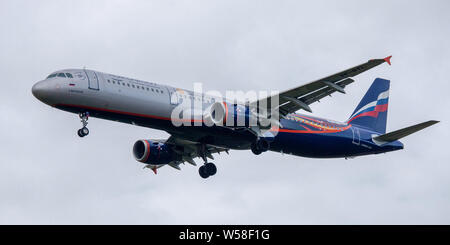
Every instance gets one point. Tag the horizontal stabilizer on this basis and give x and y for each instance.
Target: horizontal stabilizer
(396, 135)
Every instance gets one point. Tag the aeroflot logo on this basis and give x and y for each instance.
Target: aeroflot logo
(373, 108)
(235, 109)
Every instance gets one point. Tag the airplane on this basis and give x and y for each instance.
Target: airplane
(90, 93)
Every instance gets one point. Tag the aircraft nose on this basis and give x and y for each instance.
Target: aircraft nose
(41, 90)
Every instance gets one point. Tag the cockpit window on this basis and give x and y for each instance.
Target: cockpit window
(52, 75)
(61, 75)
(69, 75)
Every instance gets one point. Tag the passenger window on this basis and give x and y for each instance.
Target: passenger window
(153, 90)
(128, 84)
(148, 89)
(109, 81)
(137, 87)
(114, 82)
(69, 75)
(61, 75)
(132, 85)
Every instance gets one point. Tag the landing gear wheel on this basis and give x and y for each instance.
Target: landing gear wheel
(260, 146)
(263, 145)
(211, 169)
(80, 133)
(83, 132)
(255, 150)
(203, 172)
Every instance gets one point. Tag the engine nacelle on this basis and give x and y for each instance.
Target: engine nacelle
(234, 115)
(225, 114)
(215, 114)
(155, 153)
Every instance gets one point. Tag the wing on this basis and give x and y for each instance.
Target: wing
(301, 97)
(188, 150)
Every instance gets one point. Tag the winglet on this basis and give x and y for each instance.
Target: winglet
(388, 59)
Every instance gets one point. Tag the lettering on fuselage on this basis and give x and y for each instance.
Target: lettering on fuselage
(76, 91)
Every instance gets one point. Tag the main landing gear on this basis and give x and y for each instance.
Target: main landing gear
(260, 146)
(84, 131)
(209, 168)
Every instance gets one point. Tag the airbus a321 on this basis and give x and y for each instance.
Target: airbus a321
(91, 93)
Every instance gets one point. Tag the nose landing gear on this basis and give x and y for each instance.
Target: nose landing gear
(84, 131)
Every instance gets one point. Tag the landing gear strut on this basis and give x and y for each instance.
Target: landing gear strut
(209, 168)
(84, 131)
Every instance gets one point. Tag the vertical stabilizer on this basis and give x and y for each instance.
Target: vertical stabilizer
(371, 112)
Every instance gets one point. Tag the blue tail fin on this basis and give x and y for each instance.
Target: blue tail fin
(371, 112)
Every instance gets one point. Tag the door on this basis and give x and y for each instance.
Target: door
(356, 136)
(174, 98)
(92, 79)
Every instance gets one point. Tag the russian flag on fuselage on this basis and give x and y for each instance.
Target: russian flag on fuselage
(372, 110)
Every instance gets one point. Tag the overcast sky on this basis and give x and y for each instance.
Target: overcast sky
(48, 175)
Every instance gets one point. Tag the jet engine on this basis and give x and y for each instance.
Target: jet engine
(215, 114)
(225, 114)
(151, 152)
